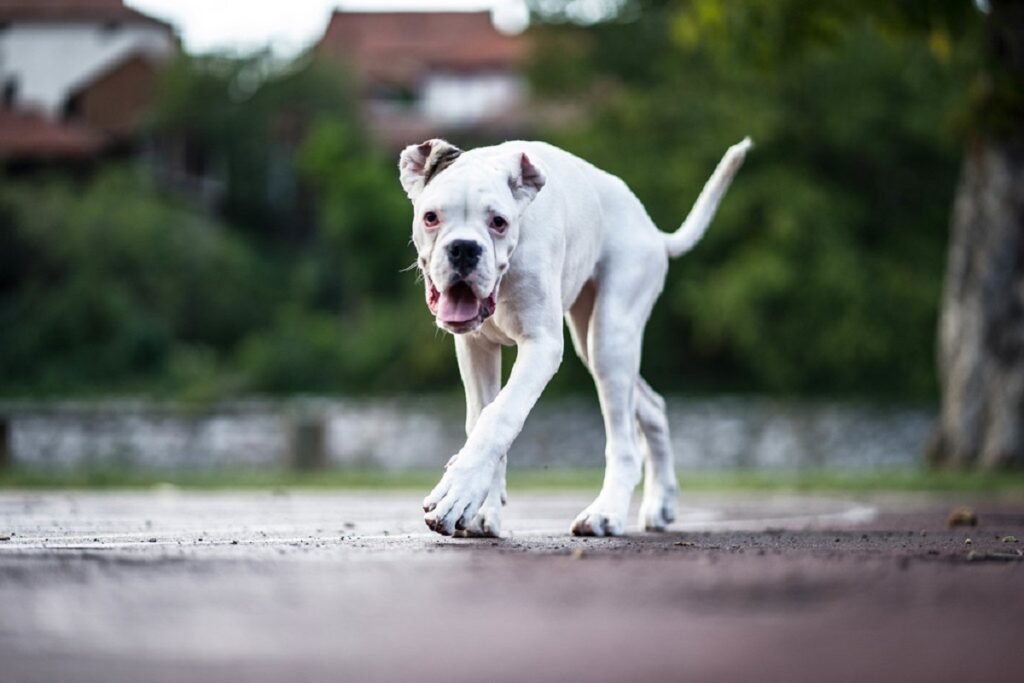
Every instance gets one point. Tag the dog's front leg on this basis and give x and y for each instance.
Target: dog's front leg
(480, 368)
(462, 491)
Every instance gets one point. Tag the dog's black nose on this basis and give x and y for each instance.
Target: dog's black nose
(464, 255)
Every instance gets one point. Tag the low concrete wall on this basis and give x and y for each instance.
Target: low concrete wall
(719, 433)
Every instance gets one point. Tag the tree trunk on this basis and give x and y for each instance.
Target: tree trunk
(981, 329)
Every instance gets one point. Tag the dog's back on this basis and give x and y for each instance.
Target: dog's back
(584, 216)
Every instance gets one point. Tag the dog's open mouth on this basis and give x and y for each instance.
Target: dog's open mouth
(458, 305)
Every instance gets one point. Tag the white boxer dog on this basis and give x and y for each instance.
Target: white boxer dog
(510, 239)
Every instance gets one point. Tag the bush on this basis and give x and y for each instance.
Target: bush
(822, 271)
(104, 280)
(381, 350)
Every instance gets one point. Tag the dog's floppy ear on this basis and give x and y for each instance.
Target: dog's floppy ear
(526, 179)
(419, 163)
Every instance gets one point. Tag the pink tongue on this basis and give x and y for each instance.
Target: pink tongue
(458, 304)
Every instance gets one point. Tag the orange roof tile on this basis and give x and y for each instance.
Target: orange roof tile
(29, 135)
(73, 10)
(398, 47)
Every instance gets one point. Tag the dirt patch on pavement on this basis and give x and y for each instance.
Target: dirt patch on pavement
(340, 586)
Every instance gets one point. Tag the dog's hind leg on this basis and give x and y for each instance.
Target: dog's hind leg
(615, 359)
(480, 367)
(658, 508)
(578, 321)
(623, 301)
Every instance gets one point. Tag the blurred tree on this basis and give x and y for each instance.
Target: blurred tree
(114, 282)
(823, 269)
(353, 321)
(302, 177)
(362, 213)
(981, 354)
(822, 272)
(109, 286)
(237, 122)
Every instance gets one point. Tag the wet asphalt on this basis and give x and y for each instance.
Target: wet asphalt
(168, 585)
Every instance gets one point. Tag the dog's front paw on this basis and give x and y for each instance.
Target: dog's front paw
(457, 498)
(595, 522)
(486, 523)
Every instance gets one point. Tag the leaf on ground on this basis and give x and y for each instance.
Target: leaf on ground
(962, 516)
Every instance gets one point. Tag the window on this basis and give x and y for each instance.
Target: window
(9, 96)
(393, 99)
(73, 107)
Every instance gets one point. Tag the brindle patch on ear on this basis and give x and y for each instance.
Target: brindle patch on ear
(440, 158)
(417, 164)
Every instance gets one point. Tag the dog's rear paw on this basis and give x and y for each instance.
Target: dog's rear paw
(658, 512)
(593, 523)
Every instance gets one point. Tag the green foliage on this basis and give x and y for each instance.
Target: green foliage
(105, 283)
(108, 286)
(242, 120)
(363, 218)
(389, 348)
(822, 271)
(820, 274)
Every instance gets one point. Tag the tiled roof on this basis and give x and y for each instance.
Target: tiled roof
(399, 46)
(73, 10)
(29, 135)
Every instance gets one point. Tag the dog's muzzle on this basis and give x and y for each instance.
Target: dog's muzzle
(457, 307)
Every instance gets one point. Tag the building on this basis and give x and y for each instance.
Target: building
(75, 75)
(423, 74)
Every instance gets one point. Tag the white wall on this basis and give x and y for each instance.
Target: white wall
(451, 98)
(49, 60)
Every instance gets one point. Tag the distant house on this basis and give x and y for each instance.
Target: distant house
(75, 76)
(422, 74)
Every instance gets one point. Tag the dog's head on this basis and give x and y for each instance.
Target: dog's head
(467, 213)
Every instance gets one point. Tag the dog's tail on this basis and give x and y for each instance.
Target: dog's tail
(692, 229)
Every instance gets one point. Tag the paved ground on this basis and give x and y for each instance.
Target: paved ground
(172, 586)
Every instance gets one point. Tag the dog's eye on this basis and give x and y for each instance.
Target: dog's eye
(498, 224)
(430, 219)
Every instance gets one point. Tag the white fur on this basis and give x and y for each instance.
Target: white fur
(578, 245)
